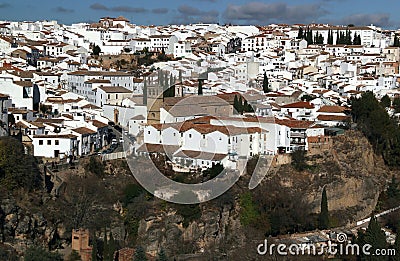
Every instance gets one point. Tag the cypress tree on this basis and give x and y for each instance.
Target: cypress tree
(300, 33)
(324, 215)
(240, 110)
(105, 246)
(265, 84)
(145, 91)
(112, 247)
(200, 87)
(236, 105)
(375, 236)
(94, 248)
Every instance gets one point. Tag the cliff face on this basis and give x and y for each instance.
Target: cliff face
(217, 231)
(352, 174)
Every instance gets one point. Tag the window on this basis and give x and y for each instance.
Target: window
(48, 142)
(40, 142)
(190, 135)
(57, 142)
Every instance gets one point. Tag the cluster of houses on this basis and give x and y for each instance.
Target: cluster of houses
(61, 99)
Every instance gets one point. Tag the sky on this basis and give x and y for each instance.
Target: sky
(384, 13)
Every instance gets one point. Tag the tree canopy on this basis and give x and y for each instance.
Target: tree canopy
(13, 174)
(382, 131)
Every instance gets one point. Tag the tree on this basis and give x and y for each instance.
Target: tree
(375, 237)
(95, 166)
(300, 33)
(112, 247)
(236, 105)
(396, 41)
(396, 104)
(385, 101)
(265, 84)
(396, 246)
(240, 105)
(13, 174)
(324, 215)
(393, 190)
(200, 87)
(94, 249)
(106, 253)
(37, 253)
(299, 160)
(145, 91)
(96, 50)
(74, 256)
(162, 256)
(140, 255)
(214, 171)
(330, 37)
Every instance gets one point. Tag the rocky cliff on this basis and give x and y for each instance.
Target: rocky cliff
(352, 173)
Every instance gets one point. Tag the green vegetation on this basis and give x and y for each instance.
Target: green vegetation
(95, 166)
(324, 215)
(162, 256)
(36, 253)
(385, 101)
(241, 106)
(13, 174)
(188, 212)
(248, 213)
(140, 255)
(382, 131)
(299, 160)
(200, 87)
(96, 50)
(265, 83)
(396, 42)
(131, 192)
(373, 236)
(214, 171)
(74, 256)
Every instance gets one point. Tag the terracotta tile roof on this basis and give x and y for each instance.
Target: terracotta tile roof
(56, 136)
(138, 118)
(200, 155)
(84, 131)
(91, 106)
(49, 120)
(295, 124)
(98, 124)
(299, 104)
(24, 83)
(114, 89)
(18, 110)
(332, 118)
(333, 109)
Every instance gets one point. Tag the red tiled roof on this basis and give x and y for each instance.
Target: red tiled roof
(332, 118)
(84, 131)
(99, 124)
(332, 109)
(300, 104)
(294, 123)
